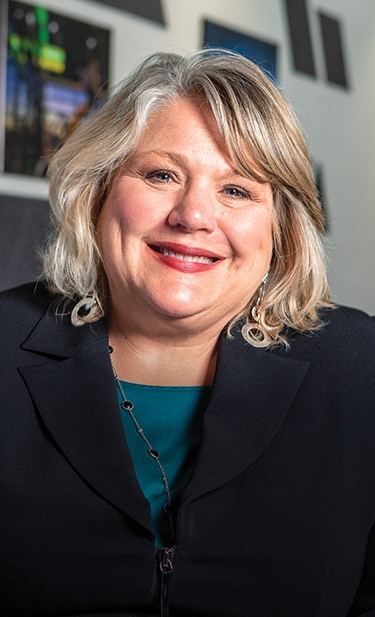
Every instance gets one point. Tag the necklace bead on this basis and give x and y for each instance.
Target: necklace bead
(127, 405)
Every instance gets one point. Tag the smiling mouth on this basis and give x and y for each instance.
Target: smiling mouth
(203, 259)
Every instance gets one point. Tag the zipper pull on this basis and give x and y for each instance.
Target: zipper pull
(166, 559)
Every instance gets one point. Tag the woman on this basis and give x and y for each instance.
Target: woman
(188, 424)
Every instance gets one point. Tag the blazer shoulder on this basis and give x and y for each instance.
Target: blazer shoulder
(346, 335)
(23, 306)
(32, 296)
(33, 292)
(350, 325)
(344, 313)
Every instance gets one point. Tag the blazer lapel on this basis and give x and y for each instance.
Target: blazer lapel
(252, 394)
(73, 389)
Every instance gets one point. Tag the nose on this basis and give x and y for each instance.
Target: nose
(194, 209)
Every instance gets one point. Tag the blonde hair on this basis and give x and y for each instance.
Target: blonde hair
(264, 141)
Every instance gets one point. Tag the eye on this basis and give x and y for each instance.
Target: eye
(160, 175)
(236, 192)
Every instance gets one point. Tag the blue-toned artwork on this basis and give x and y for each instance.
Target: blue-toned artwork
(263, 53)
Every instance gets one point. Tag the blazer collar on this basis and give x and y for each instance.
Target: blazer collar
(73, 389)
(252, 394)
(53, 335)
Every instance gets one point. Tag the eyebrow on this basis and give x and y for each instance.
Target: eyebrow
(182, 160)
(176, 158)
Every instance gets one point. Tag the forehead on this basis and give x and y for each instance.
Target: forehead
(184, 127)
(177, 118)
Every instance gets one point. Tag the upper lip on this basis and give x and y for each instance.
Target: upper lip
(194, 251)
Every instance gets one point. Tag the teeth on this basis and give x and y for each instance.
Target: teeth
(193, 258)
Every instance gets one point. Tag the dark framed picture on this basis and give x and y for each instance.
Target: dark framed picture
(54, 70)
(262, 52)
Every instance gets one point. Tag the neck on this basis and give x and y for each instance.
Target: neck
(163, 361)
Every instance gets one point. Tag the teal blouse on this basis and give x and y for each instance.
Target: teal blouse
(171, 419)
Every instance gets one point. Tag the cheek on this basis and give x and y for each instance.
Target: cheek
(115, 219)
(134, 214)
(255, 234)
(109, 235)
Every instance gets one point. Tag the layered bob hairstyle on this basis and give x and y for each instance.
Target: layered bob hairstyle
(264, 142)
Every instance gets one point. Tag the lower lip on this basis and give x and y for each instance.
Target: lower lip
(183, 265)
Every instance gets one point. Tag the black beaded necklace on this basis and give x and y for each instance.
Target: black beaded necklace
(128, 406)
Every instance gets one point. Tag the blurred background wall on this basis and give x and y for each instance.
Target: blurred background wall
(324, 61)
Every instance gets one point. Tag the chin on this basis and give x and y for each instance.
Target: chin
(177, 311)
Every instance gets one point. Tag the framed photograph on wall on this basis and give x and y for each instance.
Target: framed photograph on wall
(54, 71)
(262, 52)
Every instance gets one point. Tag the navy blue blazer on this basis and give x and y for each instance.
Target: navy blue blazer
(277, 520)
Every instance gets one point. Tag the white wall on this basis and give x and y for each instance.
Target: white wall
(338, 123)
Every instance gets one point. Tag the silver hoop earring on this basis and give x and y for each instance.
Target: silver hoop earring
(253, 331)
(83, 308)
(262, 290)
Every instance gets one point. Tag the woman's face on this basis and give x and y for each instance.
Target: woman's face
(183, 235)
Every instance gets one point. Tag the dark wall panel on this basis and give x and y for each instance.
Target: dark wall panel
(300, 36)
(333, 50)
(151, 9)
(23, 227)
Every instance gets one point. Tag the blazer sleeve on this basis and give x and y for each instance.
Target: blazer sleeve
(364, 604)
